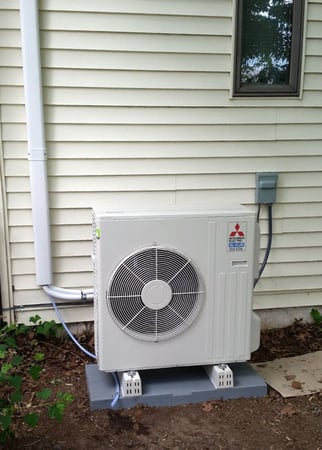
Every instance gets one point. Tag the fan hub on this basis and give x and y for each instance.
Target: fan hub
(156, 294)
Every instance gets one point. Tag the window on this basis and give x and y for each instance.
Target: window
(268, 47)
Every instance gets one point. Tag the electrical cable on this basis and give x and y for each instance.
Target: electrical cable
(269, 243)
(72, 303)
(258, 213)
(88, 353)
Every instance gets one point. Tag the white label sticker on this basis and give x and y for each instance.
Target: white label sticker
(236, 236)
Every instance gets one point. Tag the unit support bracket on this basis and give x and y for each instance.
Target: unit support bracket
(130, 383)
(220, 375)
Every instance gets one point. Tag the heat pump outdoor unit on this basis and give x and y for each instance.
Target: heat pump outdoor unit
(174, 288)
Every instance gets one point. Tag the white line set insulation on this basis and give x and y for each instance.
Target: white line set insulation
(37, 155)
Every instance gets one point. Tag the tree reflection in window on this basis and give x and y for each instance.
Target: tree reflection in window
(268, 44)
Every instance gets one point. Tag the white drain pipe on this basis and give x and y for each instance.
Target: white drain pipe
(37, 154)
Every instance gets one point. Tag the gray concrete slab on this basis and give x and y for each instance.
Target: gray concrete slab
(173, 386)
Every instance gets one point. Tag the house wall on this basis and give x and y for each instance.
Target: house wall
(139, 112)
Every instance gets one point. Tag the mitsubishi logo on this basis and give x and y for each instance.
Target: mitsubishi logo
(237, 231)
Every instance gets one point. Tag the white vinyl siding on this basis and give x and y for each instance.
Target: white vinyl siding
(138, 112)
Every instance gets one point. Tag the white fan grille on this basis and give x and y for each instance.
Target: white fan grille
(173, 281)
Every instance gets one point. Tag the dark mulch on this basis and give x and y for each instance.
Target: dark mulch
(271, 422)
(297, 339)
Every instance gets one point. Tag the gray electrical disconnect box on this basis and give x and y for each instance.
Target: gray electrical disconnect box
(266, 184)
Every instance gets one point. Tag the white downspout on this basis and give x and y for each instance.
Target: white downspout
(37, 154)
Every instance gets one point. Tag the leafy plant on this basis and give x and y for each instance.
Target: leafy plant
(57, 409)
(17, 369)
(316, 316)
(47, 329)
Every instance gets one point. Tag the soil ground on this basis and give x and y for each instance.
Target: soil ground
(271, 422)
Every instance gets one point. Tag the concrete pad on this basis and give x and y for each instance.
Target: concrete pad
(173, 386)
(294, 376)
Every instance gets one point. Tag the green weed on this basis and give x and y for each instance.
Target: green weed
(316, 316)
(19, 366)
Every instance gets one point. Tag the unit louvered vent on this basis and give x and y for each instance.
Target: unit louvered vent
(155, 294)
